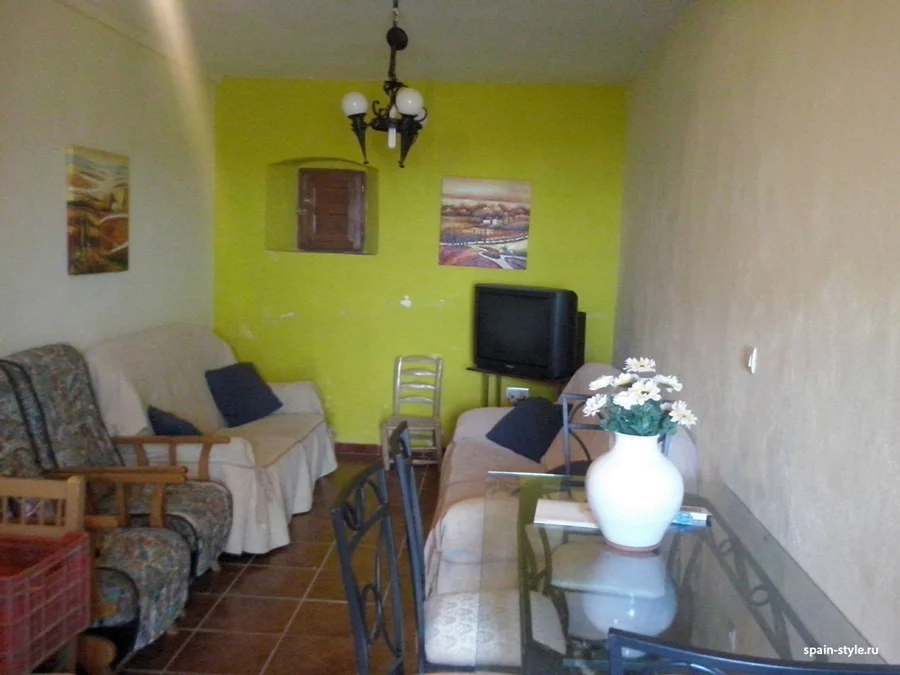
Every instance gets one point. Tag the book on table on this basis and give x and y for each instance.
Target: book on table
(577, 514)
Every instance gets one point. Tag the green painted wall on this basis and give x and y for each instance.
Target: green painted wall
(337, 319)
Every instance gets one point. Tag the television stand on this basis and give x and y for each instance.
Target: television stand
(486, 375)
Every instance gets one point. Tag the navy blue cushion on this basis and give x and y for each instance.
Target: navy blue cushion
(529, 428)
(241, 394)
(168, 424)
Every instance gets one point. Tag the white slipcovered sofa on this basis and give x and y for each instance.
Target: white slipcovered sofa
(453, 550)
(270, 465)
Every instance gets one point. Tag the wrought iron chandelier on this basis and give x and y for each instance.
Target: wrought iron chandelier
(403, 115)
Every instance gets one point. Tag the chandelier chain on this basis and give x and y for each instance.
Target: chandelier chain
(401, 121)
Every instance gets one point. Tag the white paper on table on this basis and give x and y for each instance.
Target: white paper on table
(565, 514)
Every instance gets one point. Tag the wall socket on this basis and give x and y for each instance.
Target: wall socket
(517, 394)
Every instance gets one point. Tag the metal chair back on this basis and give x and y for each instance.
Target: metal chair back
(401, 453)
(363, 531)
(417, 386)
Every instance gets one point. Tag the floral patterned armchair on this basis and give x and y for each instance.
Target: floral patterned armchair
(53, 388)
(141, 574)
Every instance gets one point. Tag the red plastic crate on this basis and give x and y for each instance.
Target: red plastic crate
(45, 598)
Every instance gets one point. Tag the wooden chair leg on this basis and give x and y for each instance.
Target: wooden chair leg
(95, 654)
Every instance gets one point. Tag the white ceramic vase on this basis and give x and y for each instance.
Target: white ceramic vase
(634, 491)
(637, 594)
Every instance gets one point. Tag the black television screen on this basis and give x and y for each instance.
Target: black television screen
(528, 331)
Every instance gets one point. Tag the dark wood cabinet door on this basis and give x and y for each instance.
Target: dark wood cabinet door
(332, 210)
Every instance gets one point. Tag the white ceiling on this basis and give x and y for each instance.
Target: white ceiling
(510, 41)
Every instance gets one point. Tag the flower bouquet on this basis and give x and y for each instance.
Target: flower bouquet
(637, 405)
(634, 490)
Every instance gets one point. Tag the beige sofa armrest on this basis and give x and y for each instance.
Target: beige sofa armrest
(298, 397)
(476, 423)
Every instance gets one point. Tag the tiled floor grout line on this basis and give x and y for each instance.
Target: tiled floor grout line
(287, 626)
(266, 597)
(205, 617)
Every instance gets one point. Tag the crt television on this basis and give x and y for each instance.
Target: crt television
(528, 331)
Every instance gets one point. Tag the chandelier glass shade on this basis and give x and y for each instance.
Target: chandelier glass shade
(403, 115)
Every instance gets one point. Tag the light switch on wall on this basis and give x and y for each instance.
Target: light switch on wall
(750, 356)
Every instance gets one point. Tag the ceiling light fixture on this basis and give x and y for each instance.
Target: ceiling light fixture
(404, 112)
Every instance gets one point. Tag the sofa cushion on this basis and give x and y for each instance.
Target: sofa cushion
(475, 423)
(169, 424)
(271, 437)
(160, 366)
(241, 394)
(464, 628)
(529, 428)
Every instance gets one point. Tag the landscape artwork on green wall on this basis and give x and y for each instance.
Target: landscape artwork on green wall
(484, 223)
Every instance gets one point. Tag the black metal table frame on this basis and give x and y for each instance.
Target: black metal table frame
(486, 376)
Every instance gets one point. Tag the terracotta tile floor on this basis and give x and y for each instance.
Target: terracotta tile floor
(283, 613)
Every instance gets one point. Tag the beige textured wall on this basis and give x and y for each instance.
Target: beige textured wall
(762, 207)
(66, 79)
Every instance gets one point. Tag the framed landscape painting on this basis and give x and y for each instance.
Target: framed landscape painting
(484, 223)
(97, 211)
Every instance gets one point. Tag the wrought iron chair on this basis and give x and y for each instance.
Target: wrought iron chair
(363, 529)
(660, 656)
(361, 519)
(446, 634)
(417, 401)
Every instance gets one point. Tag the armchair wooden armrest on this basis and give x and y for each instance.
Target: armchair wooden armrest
(137, 443)
(120, 477)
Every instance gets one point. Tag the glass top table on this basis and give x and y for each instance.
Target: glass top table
(728, 586)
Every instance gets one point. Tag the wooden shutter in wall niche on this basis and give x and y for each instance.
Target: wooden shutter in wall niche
(331, 215)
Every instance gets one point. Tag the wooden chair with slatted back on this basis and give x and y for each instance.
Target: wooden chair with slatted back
(44, 508)
(417, 401)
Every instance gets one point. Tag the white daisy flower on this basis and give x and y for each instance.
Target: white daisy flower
(645, 390)
(682, 415)
(601, 383)
(640, 365)
(594, 405)
(669, 381)
(625, 379)
(626, 399)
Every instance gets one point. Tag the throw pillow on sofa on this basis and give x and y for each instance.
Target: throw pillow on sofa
(529, 428)
(241, 394)
(168, 424)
